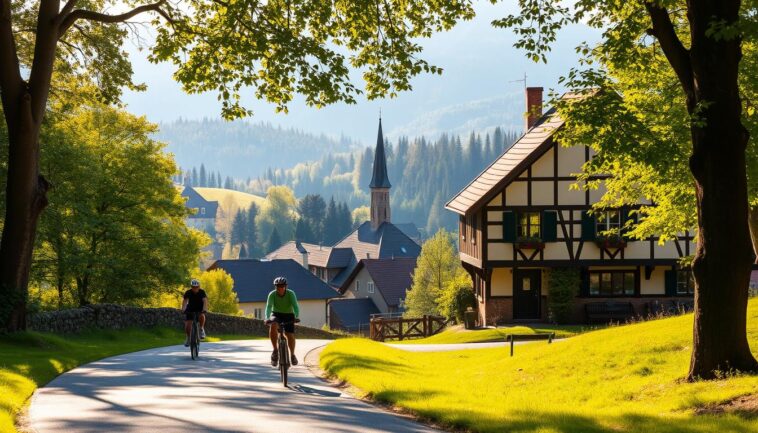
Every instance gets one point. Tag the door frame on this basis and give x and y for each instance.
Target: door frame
(518, 275)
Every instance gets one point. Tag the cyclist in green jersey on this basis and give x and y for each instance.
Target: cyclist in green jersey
(282, 308)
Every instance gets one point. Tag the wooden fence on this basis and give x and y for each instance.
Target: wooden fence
(400, 328)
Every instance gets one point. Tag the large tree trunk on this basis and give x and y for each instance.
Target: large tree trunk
(723, 260)
(24, 104)
(25, 198)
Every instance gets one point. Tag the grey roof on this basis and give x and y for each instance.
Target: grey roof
(386, 241)
(409, 229)
(350, 313)
(196, 201)
(380, 178)
(253, 279)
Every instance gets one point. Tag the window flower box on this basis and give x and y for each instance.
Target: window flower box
(611, 242)
(530, 244)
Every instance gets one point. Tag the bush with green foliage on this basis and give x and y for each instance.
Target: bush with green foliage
(563, 286)
(218, 284)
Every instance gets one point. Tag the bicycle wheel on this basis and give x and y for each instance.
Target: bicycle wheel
(193, 341)
(283, 360)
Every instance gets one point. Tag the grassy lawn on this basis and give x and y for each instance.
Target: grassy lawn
(620, 379)
(456, 334)
(30, 359)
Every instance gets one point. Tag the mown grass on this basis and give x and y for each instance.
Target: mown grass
(31, 359)
(620, 379)
(457, 334)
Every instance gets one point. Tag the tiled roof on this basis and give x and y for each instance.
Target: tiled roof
(392, 277)
(511, 163)
(353, 313)
(321, 256)
(253, 279)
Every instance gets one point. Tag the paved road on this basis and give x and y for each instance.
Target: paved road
(231, 388)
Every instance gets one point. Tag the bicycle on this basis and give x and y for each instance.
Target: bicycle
(195, 336)
(284, 356)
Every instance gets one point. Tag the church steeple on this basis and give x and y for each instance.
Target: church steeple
(380, 178)
(380, 185)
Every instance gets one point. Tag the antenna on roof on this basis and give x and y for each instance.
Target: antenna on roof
(523, 80)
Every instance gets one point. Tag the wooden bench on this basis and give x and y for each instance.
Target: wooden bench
(608, 311)
(511, 338)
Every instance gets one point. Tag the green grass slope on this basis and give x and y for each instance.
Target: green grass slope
(619, 379)
(31, 359)
(457, 334)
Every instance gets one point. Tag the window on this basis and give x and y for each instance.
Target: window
(612, 283)
(608, 221)
(357, 286)
(258, 313)
(685, 282)
(370, 287)
(202, 211)
(528, 225)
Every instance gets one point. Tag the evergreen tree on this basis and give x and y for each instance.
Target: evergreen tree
(218, 179)
(195, 180)
(344, 221)
(203, 177)
(312, 208)
(274, 241)
(251, 237)
(303, 231)
(238, 228)
(331, 223)
(228, 183)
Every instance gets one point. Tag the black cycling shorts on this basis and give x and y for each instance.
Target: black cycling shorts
(188, 315)
(286, 317)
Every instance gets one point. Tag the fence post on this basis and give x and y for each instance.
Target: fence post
(426, 325)
(400, 328)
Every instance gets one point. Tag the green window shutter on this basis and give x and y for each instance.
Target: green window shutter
(670, 279)
(549, 229)
(584, 282)
(627, 218)
(588, 227)
(509, 226)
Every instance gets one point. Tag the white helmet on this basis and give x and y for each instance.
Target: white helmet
(195, 283)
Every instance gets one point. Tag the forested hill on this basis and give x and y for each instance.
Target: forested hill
(241, 149)
(424, 174)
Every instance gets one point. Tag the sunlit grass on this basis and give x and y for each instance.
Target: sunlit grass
(625, 379)
(457, 334)
(30, 359)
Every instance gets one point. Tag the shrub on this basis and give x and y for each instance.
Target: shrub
(563, 286)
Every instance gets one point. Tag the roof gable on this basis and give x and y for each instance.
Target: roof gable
(253, 279)
(508, 166)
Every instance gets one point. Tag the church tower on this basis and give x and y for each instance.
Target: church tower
(380, 185)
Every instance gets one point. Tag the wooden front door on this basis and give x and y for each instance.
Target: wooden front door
(526, 293)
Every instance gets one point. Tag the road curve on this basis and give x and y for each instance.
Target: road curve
(230, 388)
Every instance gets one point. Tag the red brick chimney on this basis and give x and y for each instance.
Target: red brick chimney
(533, 105)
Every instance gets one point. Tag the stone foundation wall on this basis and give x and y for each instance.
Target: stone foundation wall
(113, 317)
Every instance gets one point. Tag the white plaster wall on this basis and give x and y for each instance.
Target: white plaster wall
(502, 282)
(499, 251)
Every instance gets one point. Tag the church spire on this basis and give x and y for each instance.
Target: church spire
(380, 178)
(380, 184)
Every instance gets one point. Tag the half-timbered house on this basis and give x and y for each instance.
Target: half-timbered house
(520, 218)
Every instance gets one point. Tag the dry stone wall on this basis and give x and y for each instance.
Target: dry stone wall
(113, 317)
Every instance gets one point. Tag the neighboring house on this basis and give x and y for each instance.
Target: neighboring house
(204, 210)
(378, 239)
(253, 281)
(519, 218)
(380, 283)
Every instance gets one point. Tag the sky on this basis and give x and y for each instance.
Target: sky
(477, 90)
